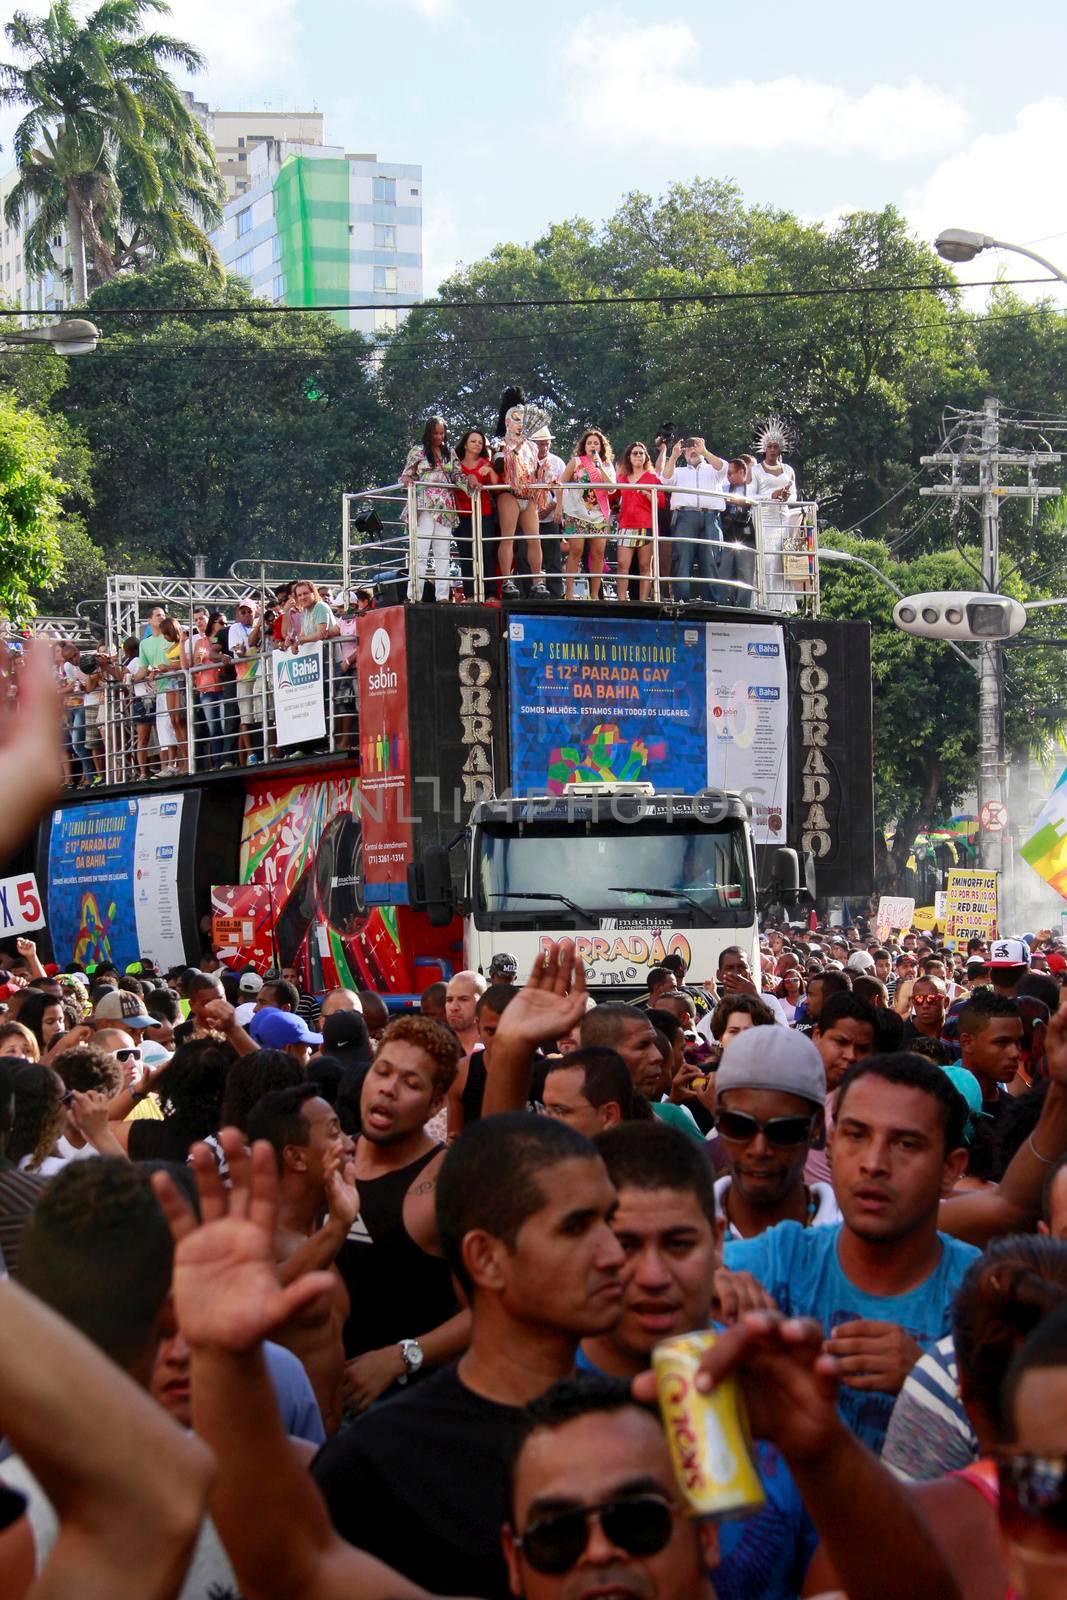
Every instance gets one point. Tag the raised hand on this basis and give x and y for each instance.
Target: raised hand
(551, 1002)
(31, 742)
(788, 1382)
(219, 1014)
(226, 1289)
(339, 1182)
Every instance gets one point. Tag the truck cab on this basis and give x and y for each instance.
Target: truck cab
(631, 875)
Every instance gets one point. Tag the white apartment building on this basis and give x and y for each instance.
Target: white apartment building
(320, 226)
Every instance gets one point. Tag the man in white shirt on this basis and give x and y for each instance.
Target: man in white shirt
(696, 534)
(552, 468)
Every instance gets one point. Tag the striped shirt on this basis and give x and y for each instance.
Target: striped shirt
(929, 1434)
(19, 1193)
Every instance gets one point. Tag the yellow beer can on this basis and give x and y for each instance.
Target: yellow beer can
(710, 1444)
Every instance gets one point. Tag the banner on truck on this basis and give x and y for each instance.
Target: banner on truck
(606, 701)
(113, 880)
(748, 721)
(683, 707)
(299, 694)
(385, 754)
(970, 907)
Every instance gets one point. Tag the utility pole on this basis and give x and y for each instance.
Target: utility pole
(995, 850)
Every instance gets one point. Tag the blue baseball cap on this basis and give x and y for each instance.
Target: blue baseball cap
(967, 1086)
(273, 1029)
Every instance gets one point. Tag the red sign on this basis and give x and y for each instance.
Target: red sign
(385, 753)
(993, 817)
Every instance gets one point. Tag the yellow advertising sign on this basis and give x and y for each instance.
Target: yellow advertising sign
(970, 907)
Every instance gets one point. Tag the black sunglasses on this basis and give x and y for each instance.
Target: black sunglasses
(1033, 1489)
(641, 1525)
(740, 1127)
(131, 1053)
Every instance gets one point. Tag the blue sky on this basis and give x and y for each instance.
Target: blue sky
(522, 115)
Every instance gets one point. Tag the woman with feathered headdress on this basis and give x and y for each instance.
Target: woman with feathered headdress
(774, 485)
(517, 506)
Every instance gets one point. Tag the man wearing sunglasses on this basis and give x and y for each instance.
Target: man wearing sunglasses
(769, 1095)
(929, 1003)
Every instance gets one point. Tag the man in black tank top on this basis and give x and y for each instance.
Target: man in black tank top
(405, 1316)
(523, 1209)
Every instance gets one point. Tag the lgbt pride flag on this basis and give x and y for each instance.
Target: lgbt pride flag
(1046, 848)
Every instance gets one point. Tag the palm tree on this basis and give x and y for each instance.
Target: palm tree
(108, 145)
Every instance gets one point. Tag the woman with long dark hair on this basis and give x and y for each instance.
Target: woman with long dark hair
(431, 466)
(587, 507)
(472, 453)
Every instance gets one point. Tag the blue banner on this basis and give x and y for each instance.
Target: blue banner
(606, 700)
(91, 910)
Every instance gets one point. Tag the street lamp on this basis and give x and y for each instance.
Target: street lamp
(75, 338)
(960, 244)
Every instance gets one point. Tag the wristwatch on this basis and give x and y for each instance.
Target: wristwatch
(412, 1356)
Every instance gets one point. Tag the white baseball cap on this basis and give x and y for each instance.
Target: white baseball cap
(1009, 953)
(860, 961)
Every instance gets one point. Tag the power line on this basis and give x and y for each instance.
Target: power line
(702, 296)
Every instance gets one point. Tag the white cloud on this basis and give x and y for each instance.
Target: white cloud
(648, 84)
(250, 45)
(1003, 184)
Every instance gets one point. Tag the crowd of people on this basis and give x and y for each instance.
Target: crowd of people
(194, 694)
(385, 1285)
(547, 523)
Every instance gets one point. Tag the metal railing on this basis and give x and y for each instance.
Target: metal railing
(132, 732)
(776, 570)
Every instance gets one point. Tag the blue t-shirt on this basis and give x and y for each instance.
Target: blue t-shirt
(766, 1554)
(799, 1268)
(297, 1406)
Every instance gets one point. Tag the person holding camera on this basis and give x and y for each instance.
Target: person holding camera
(696, 501)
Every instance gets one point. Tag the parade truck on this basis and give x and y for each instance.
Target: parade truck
(640, 780)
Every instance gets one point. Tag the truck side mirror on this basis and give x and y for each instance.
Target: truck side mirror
(437, 885)
(787, 873)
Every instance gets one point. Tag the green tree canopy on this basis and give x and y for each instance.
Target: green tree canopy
(862, 379)
(925, 697)
(30, 507)
(225, 436)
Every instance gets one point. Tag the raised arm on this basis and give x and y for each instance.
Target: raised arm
(1012, 1205)
(129, 1497)
(882, 1549)
(268, 1511)
(550, 1003)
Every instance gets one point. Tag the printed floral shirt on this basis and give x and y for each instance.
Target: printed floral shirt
(433, 485)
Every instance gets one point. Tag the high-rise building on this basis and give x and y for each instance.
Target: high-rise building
(318, 226)
(306, 223)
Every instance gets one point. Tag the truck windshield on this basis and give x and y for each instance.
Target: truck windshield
(555, 870)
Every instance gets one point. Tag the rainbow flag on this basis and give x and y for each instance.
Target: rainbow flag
(1046, 848)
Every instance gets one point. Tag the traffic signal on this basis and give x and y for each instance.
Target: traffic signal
(974, 615)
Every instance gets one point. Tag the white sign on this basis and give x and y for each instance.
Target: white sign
(155, 874)
(20, 904)
(748, 722)
(299, 700)
(893, 912)
(940, 907)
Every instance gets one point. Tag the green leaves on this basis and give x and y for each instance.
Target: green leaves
(30, 507)
(121, 148)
